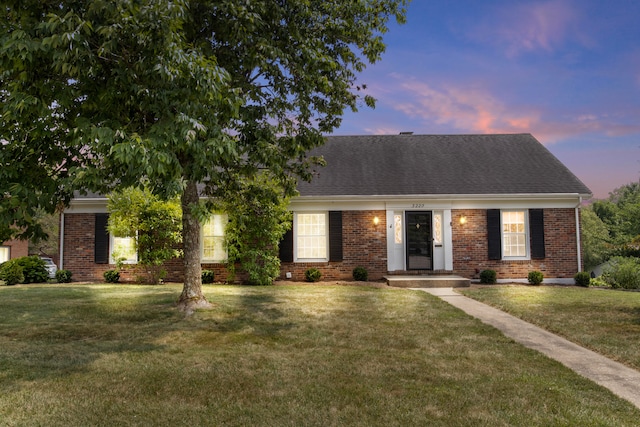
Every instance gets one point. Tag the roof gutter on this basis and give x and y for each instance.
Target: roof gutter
(578, 240)
(389, 197)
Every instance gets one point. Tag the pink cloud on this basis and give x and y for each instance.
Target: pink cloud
(543, 25)
(474, 109)
(465, 108)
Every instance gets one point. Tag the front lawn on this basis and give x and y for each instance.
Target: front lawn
(77, 355)
(606, 321)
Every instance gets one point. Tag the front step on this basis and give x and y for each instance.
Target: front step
(449, 281)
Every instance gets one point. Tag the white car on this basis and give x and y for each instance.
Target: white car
(50, 266)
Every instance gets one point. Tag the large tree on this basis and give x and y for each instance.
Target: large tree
(617, 224)
(596, 240)
(191, 97)
(621, 213)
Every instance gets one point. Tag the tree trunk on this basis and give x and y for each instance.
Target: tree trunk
(191, 297)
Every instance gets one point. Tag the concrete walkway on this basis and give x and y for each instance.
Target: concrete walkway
(620, 379)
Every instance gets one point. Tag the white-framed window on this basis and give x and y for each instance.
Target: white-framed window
(311, 236)
(5, 253)
(122, 248)
(515, 239)
(213, 247)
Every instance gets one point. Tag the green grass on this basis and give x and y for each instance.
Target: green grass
(275, 356)
(606, 321)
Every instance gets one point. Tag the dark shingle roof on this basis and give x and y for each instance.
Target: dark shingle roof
(388, 165)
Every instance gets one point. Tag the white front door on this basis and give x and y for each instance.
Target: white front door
(441, 255)
(395, 241)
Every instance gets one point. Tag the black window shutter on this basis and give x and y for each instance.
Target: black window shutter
(335, 236)
(536, 233)
(493, 234)
(101, 244)
(286, 247)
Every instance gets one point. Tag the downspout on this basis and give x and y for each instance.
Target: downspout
(61, 242)
(578, 243)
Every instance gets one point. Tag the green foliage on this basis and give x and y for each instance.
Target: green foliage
(312, 275)
(535, 277)
(360, 274)
(154, 224)
(596, 240)
(33, 268)
(488, 276)
(599, 282)
(11, 273)
(63, 276)
(620, 215)
(625, 218)
(622, 273)
(208, 276)
(582, 278)
(630, 249)
(111, 276)
(258, 219)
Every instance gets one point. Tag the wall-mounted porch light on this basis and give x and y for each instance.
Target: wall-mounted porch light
(463, 220)
(376, 220)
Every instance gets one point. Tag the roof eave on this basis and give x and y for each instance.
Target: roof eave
(497, 196)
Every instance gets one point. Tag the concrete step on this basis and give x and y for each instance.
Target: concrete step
(448, 281)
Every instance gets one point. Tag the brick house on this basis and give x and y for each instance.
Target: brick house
(399, 204)
(11, 249)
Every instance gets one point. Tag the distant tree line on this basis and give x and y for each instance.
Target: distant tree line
(611, 227)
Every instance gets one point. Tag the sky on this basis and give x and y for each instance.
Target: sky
(566, 71)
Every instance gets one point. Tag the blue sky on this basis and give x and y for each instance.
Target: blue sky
(566, 71)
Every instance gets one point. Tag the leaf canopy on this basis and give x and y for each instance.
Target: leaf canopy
(107, 94)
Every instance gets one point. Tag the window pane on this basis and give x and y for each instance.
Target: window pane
(311, 237)
(213, 238)
(207, 228)
(124, 249)
(514, 236)
(213, 248)
(4, 253)
(219, 224)
(514, 245)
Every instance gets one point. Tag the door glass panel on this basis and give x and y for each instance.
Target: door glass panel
(437, 229)
(397, 228)
(419, 241)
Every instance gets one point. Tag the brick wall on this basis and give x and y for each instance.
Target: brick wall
(78, 250)
(470, 247)
(17, 248)
(363, 244)
(79, 247)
